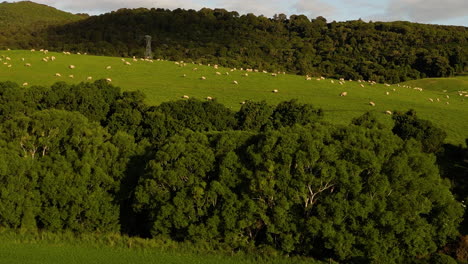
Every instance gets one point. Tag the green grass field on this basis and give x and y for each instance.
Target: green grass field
(164, 81)
(17, 248)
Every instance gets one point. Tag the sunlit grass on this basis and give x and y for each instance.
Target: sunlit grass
(164, 81)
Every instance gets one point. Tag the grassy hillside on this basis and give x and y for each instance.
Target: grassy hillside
(164, 80)
(27, 13)
(22, 22)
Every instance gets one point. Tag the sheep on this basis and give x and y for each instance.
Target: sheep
(332, 81)
(430, 99)
(27, 64)
(22, 59)
(275, 91)
(185, 97)
(387, 93)
(343, 93)
(203, 78)
(58, 75)
(371, 103)
(89, 78)
(273, 74)
(308, 78)
(438, 100)
(388, 112)
(46, 60)
(108, 79)
(245, 74)
(71, 76)
(184, 75)
(209, 98)
(235, 82)
(52, 58)
(448, 97)
(243, 102)
(227, 73)
(195, 69)
(108, 67)
(33, 50)
(8, 58)
(71, 66)
(447, 102)
(394, 89)
(9, 66)
(218, 73)
(127, 63)
(25, 84)
(362, 85)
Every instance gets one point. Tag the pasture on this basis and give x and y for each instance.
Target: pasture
(439, 100)
(17, 248)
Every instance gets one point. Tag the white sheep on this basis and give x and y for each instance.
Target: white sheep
(203, 78)
(58, 75)
(388, 112)
(25, 84)
(185, 97)
(71, 66)
(109, 79)
(108, 67)
(71, 76)
(275, 91)
(343, 93)
(89, 78)
(209, 98)
(372, 103)
(27, 64)
(235, 82)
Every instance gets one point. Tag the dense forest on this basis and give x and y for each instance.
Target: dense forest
(380, 51)
(88, 158)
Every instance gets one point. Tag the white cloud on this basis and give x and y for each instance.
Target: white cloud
(426, 10)
(315, 8)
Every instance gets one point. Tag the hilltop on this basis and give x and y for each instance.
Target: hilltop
(21, 22)
(389, 52)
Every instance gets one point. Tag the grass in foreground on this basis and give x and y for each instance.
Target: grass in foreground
(18, 248)
(165, 81)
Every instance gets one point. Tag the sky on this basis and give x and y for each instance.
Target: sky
(444, 12)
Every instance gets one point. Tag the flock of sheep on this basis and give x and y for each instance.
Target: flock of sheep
(7, 61)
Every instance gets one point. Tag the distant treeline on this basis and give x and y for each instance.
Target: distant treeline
(381, 51)
(88, 158)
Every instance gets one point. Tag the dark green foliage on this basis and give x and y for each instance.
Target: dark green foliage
(408, 125)
(368, 120)
(272, 179)
(291, 112)
(67, 172)
(199, 116)
(348, 194)
(254, 115)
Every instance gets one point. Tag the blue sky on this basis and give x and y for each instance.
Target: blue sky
(447, 12)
